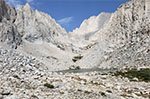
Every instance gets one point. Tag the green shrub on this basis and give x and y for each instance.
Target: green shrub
(49, 85)
(76, 58)
(87, 92)
(109, 91)
(142, 74)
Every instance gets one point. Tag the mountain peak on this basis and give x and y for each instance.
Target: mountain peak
(92, 25)
(27, 9)
(27, 6)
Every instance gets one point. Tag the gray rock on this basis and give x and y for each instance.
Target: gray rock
(13, 97)
(8, 31)
(1, 96)
(5, 91)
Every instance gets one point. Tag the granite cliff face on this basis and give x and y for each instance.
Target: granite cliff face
(8, 30)
(125, 41)
(38, 27)
(26, 25)
(43, 38)
(35, 33)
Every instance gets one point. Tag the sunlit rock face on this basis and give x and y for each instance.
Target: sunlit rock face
(125, 40)
(35, 33)
(82, 36)
(38, 27)
(90, 26)
(26, 25)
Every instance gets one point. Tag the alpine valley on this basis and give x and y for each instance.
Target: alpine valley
(107, 57)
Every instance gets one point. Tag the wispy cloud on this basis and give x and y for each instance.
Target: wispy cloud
(29, 1)
(19, 3)
(16, 3)
(65, 21)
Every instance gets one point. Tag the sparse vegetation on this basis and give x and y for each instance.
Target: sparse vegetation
(79, 90)
(103, 94)
(144, 95)
(76, 58)
(142, 74)
(87, 92)
(61, 47)
(126, 96)
(49, 85)
(109, 91)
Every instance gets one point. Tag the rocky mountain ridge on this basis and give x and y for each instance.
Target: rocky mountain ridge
(125, 41)
(33, 48)
(35, 33)
(31, 26)
(104, 40)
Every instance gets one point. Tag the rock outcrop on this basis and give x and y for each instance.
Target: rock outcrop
(125, 41)
(8, 30)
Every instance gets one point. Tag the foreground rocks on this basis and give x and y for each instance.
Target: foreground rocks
(72, 86)
(23, 77)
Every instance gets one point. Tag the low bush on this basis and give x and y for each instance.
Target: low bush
(49, 85)
(76, 58)
(142, 74)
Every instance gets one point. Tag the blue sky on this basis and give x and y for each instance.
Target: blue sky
(70, 13)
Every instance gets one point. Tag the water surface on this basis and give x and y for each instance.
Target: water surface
(87, 70)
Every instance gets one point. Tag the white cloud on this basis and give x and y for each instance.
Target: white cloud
(18, 6)
(16, 3)
(65, 21)
(19, 3)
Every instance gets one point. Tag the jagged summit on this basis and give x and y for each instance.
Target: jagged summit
(27, 6)
(90, 26)
(36, 26)
(82, 36)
